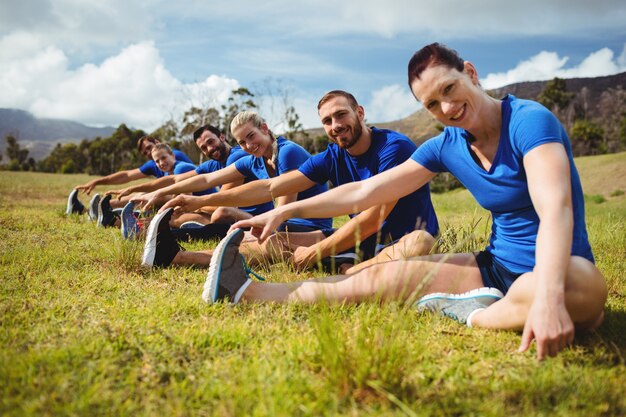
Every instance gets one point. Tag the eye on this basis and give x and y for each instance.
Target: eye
(430, 105)
(448, 88)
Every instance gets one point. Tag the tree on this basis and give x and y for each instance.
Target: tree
(555, 95)
(587, 137)
(612, 116)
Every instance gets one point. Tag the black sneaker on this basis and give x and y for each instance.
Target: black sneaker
(161, 246)
(106, 216)
(73, 204)
(228, 274)
(94, 207)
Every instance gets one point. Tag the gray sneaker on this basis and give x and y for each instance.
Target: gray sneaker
(227, 271)
(459, 306)
(94, 207)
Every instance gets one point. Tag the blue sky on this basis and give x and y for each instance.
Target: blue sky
(142, 62)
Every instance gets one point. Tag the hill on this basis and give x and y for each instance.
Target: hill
(39, 135)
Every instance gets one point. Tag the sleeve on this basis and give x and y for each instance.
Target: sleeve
(244, 166)
(180, 156)
(533, 126)
(428, 154)
(150, 169)
(395, 153)
(290, 157)
(207, 167)
(183, 167)
(317, 168)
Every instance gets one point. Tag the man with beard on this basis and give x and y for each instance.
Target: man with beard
(396, 230)
(212, 143)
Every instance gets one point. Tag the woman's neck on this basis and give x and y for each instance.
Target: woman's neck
(490, 121)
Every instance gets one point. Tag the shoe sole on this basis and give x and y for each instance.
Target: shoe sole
(209, 293)
(94, 208)
(128, 231)
(485, 292)
(68, 209)
(149, 249)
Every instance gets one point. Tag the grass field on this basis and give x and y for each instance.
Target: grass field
(86, 331)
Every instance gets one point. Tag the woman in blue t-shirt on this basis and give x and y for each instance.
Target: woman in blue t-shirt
(538, 272)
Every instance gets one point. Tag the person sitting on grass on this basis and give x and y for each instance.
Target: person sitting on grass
(166, 162)
(269, 157)
(212, 143)
(514, 156)
(356, 152)
(144, 147)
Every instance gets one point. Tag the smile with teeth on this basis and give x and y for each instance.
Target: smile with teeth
(459, 113)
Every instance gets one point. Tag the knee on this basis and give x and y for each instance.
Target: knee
(587, 289)
(221, 215)
(416, 243)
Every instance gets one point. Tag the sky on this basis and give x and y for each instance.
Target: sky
(143, 62)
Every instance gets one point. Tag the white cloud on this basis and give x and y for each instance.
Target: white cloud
(547, 65)
(133, 87)
(390, 103)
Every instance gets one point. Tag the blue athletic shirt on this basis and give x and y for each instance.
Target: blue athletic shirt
(181, 167)
(388, 149)
(235, 153)
(290, 157)
(151, 168)
(503, 190)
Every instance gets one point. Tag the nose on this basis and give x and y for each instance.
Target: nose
(336, 125)
(447, 108)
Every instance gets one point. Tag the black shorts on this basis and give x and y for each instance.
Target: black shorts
(493, 273)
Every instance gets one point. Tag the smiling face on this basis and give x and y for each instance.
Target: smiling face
(342, 123)
(164, 159)
(452, 97)
(212, 146)
(254, 140)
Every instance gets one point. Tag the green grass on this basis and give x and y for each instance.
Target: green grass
(86, 331)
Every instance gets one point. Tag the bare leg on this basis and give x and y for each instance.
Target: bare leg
(395, 280)
(229, 215)
(414, 244)
(585, 295)
(199, 258)
(178, 219)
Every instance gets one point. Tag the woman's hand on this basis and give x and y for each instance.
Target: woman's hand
(263, 225)
(549, 323)
(184, 203)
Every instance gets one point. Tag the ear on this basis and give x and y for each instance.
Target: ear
(265, 129)
(470, 70)
(360, 111)
(222, 138)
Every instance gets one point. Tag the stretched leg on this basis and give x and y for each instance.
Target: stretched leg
(179, 219)
(229, 215)
(394, 280)
(279, 247)
(414, 244)
(585, 295)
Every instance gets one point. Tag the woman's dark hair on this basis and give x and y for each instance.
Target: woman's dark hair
(433, 54)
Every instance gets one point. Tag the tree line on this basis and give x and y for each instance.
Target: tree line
(597, 130)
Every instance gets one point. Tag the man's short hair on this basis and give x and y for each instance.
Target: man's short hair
(146, 138)
(199, 131)
(160, 146)
(338, 93)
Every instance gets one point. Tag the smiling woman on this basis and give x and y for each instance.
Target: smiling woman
(513, 155)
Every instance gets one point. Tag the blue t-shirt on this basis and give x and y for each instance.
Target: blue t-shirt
(151, 168)
(235, 153)
(387, 150)
(290, 157)
(503, 190)
(182, 167)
